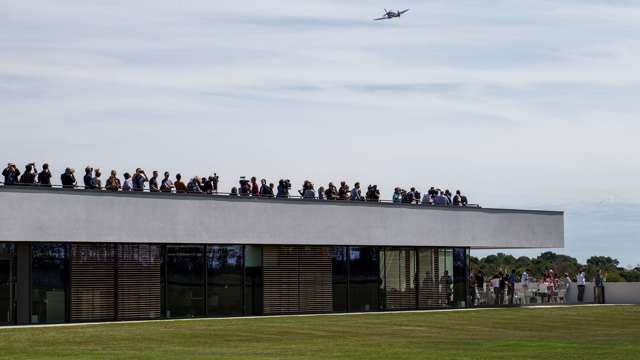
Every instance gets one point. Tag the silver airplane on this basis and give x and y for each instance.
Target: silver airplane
(391, 14)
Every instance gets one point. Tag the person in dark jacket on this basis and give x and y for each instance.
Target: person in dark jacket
(68, 178)
(265, 190)
(44, 177)
(331, 193)
(88, 178)
(11, 174)
(30, 175)
(139, 178)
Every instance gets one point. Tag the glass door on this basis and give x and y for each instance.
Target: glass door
(6, 291)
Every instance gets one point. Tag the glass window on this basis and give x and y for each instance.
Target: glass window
(340, 277)
(400, 271)
(7, 252)
(253, 280)
(224, 280)
(459, 276)
(185, 267)
(446, 276)
(364, 278)
(49, 287)
(427, 276)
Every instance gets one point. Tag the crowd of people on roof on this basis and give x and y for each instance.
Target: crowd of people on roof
(139, 181)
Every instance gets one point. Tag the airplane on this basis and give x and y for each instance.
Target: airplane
(391, 14)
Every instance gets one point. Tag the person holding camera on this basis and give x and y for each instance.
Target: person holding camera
(11, 174)
(68, 178)
(343, 191)
(332, 192)
(44, 177)
(373, 194)
(245, 187)
(139, 178)
(283, 188)
(30, 174)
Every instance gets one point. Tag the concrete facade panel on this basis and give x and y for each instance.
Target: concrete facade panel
(83, 216)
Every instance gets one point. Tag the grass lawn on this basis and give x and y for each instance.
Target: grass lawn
(611, 332)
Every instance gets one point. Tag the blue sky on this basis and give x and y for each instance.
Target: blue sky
(527, 104)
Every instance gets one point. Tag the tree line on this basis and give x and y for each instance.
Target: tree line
(560, 264)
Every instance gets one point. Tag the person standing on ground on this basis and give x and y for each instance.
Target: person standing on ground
(495, 284)
(599, 288)
(480, 287)
(524, 281)
(511, 290)
(580, 281)
(567, 287)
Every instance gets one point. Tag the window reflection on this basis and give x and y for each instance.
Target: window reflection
(7, 253)
(339, 269)
(364, 278)
(185, 281)
(49, 287)
(224, 280)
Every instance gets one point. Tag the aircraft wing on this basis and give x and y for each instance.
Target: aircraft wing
(382, 18)
(403, 11)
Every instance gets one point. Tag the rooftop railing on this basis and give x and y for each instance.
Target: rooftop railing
(173, 192)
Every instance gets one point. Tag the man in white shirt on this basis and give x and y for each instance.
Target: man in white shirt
(580, 282)
(524, 281)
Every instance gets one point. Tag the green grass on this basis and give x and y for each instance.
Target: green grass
(611, 332)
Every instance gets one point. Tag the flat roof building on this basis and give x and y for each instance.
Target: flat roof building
(82, 255)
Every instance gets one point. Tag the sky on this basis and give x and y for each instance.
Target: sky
(520, 104)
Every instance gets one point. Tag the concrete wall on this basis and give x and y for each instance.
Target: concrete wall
(615, 293)
(58, 215)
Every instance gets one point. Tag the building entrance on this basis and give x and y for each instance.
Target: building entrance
(6, 291)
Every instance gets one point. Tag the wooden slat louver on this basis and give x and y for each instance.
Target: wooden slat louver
(316, 287)
(138, 282)
(297, 279)
(280, 272)
(92, 282)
